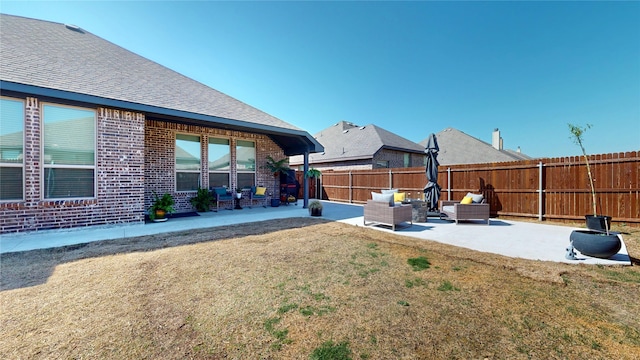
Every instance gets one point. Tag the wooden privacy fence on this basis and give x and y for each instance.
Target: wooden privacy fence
(553, 188)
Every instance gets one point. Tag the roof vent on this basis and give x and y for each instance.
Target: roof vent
(74, 28)
(345, 131)
(362, 127)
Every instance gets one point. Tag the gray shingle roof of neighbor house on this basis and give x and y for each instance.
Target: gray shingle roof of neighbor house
(66, 62)
(456, 147)
(345, 141)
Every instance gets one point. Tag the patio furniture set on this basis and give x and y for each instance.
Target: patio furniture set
(390, 208)
(230, 201)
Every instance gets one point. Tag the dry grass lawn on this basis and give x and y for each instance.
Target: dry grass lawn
(259, 292)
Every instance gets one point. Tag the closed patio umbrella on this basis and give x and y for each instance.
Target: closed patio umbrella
(432, 189)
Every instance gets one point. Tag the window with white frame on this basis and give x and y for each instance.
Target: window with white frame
(69, 152)
(187, 162)
(246, 163)
(382, 164)
(11, 149)
(219, 153)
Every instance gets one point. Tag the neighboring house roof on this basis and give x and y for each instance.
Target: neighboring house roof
(456, 147)
(63, 61)
(345, 141)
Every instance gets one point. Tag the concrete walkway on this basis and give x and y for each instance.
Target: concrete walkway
(510, 238)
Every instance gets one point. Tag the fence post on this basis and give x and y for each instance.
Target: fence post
(448, 183)
(540, 196)
(350, 188)
(390, 180)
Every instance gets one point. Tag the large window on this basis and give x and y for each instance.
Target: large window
(246, 163)
(187, 162)
(219, 162)
(69, 148)
(11, 149)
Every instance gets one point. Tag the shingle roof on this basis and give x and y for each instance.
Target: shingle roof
(346, 141)
(456, 147)
(55, 56)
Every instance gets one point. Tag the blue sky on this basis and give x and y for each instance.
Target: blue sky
(413, 68)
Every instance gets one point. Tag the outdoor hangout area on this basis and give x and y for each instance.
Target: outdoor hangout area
(517, 239)
(195, 286)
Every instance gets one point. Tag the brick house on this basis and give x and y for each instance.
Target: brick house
(89, 130)
(351, 147)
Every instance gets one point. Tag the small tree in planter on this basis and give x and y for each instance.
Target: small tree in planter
(577, 133)
(314, 174)
(276, 167)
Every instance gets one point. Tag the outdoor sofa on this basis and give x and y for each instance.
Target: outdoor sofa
(475, 209)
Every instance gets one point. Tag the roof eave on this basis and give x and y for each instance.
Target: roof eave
(293, 142)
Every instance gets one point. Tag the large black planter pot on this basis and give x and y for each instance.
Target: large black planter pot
(596, 244)
(315, 212)
(598, 223)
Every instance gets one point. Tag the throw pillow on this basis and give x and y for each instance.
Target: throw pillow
(477, 198)
(398, 197)
(466, 200)
(388, 198)
(261, 190)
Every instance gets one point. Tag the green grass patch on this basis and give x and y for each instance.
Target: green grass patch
(419, 263)
(447, 286)
(286, 308)
(415, 282)
(313, 310)
(331, 351)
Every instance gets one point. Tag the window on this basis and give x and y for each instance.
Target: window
(69, 152)
(382, 164)
(246, 163)
(407, 160)
(11, 149)
(187, 162)
(219, 162)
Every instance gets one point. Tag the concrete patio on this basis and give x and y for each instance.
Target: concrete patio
(505, 237)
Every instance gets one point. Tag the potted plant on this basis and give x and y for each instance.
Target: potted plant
(276, 167)
(595, 221)
(596, 241)
(161, 207)
(238, 193)
(315, 208)
(314, 173)
(202, 201)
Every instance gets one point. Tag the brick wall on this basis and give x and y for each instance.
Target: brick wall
(119, 177)
(396, 158)
(134, 157)
(160, 159)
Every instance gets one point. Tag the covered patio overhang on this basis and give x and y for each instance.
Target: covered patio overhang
(292, 141)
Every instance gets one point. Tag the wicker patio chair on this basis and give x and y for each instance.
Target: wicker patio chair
(379, 212)
(454, 210)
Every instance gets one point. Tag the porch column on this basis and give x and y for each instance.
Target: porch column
(305, 180)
